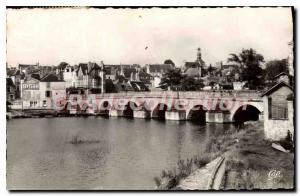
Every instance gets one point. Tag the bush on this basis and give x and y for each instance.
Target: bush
(288, 143)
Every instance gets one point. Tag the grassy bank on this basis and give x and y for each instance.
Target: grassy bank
(249, 159)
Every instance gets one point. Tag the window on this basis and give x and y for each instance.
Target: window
(48, 85)
(277, 111)
(44, 103)
(31, 103)
(48, 93)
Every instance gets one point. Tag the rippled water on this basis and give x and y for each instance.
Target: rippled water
(121, 154)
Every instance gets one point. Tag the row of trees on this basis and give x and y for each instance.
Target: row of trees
(250, 68)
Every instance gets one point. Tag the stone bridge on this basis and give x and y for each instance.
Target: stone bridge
(206, 106)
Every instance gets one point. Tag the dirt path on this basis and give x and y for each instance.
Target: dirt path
(205, 178)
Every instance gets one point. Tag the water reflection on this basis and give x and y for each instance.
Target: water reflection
(128, 155)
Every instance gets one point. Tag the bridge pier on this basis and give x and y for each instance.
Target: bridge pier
(73, 111)
(142, 114)
(91, 111)
(261, 116)
(115, 113)
(175, 115)
(217, 117)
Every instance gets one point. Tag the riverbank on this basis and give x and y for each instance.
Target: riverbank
(252, 162)
(45, 114)
(249, 161)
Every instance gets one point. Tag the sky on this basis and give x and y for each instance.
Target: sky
(144, 36)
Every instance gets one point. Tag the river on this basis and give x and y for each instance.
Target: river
(120, 153)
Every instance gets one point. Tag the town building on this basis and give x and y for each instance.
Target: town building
(69, 76)
(82, 75)
(278, 111)
(157, 69)
(11, 90)
(195, 69)
(110, 72)
(16, 76)
(85, 78)
(145, 78)
(282, 77)
(156, 72)
(28, 67)
(45, 93)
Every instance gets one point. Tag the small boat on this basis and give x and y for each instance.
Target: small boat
(279, 147)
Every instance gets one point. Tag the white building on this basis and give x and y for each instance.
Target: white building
(278, 112)
(47, 93)
(70, 76)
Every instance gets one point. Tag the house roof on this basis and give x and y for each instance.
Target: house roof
(13, 72)
(120, 79)
(9, 82)
(281, 74)
(160, 67)
(35, 76)
(123, 87)
(226, 66)
(129, 71)
(139, 86)
(26, 65)
(191, 64)
(144, 74)
(192, 72)
(51, 78)
(93, 66)
(108, 70)
(276, 87)
(83, 67)
(145, 77)
(94, 71)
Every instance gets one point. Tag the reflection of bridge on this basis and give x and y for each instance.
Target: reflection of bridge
(208, 106)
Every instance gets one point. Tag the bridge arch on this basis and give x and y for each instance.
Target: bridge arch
(246, 112)
(159, 111)
(68, 106)
(197, 114)
(84, 108)
(104, 107)
(129, 108)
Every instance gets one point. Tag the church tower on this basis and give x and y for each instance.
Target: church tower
(199, 57)
(102, 75)
(199, 60)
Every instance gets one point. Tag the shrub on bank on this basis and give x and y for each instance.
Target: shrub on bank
(213, 148)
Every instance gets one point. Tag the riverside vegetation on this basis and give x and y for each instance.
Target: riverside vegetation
(249, 160)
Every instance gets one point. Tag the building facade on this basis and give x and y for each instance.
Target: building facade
(278, 112)
(47, 93)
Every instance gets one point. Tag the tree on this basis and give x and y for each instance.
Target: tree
(275, 67)
(170, 62)
(172, 79)
(62, 65)
(250, 65)
(210, 69)
(191, 84)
